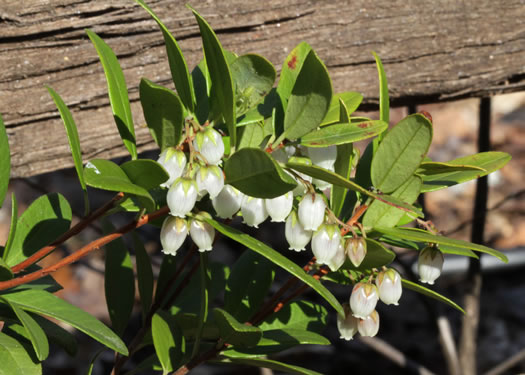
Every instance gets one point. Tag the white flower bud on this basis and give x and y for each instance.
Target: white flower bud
(202, 234)
(369, 326)
(295, 234)
(210, 179)
(228, 202)
(363, 299)
(338, 259)
(323, 157)
(325, 243)
(311, 211)
(347, 325)
(210, 145)
(172, 234)
(174, 162)
(430, 264)
(389, 286)
(356, 250)
(182, 196)
(253, 211)
(279, 208)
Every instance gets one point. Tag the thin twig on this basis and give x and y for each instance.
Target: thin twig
(507, 364)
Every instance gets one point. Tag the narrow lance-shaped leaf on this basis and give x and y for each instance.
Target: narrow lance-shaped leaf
(343, 167)
(235, 333)
(144, 275)
(168, 341)
(16, 359)
(430, 293)
(204, 301)
(290, 70)
(5, 162)
(384, 103)
(118, 92)
(12, 227)
(339, 134)
(351, 101)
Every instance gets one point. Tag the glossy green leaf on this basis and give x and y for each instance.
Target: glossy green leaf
(376, 256)
(235, 333)
(430, 293)
(253, 77)
(272, 364)
(420, 235)
(5, 162)
(427, 168)
(384, 103)
(250, 136)
(106, 175)
(57, 334)
(145, 279)
(204, 301)
(343, 167)
(119, 281)
(145, 173)
(93, 361)
(257, 174)
(290, 71)
(168, 340)
(277, 259)
(15, 359)
(249, 282)
(400, 152)
(447, 249)
(12, 227)
(222, 89)
(362, 172)
(163, 112)
(118, 92)
(189, 323)
(5, 271)
(339, 134)
(351, 101)
(201, 87)
(310, 99)
(302, 315)
(168, 268)
(489, 161)
(44, 221)
(42, 302)
(178, 67)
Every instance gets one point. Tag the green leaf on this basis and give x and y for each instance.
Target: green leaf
(189, 323)
(145, 173)
(430, 293)
(168, 267)
(145, 277)
(290, 70)
(447, 249)
(12, 227)
(277, 259)
(57, 334)
(430, 168)
(488, 161)
(119, 282)
(248, 284)
(178, 67)
(310, 99)
(42, 302)
(44, 221)
(250, 136)
(222, 90)
(271, 364)
(106, 175)
(163, 112)
(351, 101)
(253, 78)
(376, 256)
(118, 92)
(384, 104)
(168, 340)
(5, 162)
(339, 134)
(424, 236)
(343, 167)
(5, 271)
(302, 315)
(235, 333)
(93, 360)
(15, 359)
(204, 301)
(257, 174)
(34, 332)
(400, 153)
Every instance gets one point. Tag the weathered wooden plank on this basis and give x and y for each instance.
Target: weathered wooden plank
(431, 51)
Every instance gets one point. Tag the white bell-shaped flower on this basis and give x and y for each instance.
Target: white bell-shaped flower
(389, 286)
(210, 179)
(325, 243)
(347, 325)
(210, 145)
(311, 211)
(363, 299)
(338, 259)
(174, 162)
(369, 326)
(430, 264)
(202, 234)
(227, 202)
(295, 234)
(172, 234)
(279, 208)
(323, 157)
(253, 211)
(355, 248)
(182, 196)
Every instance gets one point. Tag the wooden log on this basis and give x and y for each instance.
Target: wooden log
(431, 51)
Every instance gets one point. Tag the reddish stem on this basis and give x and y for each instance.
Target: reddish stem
(351, 222)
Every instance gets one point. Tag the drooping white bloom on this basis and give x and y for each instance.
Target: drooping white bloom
(363, 299)
(338, 259)
(227, 202)
(210, 179)
(369, 326)
(253, 211)
(182, 196)
(202, 234)
(295, 234)
(323, 157)
(325, 243)
(172, 234)
(311, 211)
(430, 264)
(210, 145)
(389, 286)
(355, 248)
(174, 162)
(347, 325)
(279, 208)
